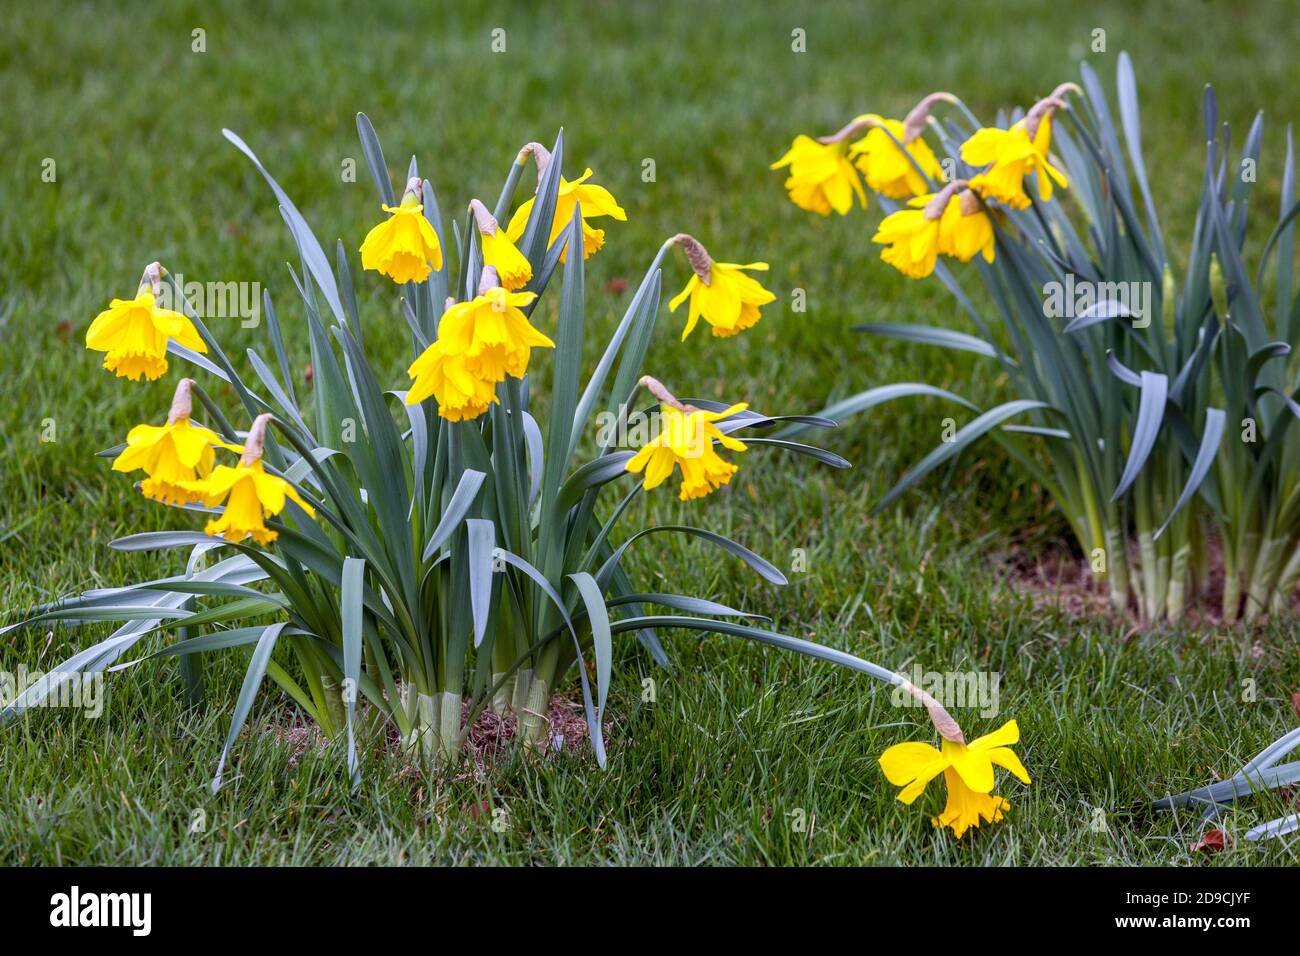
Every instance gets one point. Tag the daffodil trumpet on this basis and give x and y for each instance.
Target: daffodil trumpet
(512, 268)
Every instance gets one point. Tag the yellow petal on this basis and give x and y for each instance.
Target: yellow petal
(912, 765)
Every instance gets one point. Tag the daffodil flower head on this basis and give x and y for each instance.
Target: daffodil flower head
(513, 268)
(720, 292)
(134, 333)
(886, 166)
(967, 771)
(912, 238)
(592, 201)
(479, 343)
(491, 332)
(461, 394)
(686, 441)
(821, 176)
(404, 246)
(1012, 154)
(965, 229)
(249, 493)
(172, 455)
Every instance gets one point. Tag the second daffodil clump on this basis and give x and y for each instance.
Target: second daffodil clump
(948, 213)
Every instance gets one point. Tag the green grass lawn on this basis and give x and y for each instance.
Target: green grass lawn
(740, 739)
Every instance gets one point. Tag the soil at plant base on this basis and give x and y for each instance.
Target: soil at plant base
(1058, 578)
(490, 738)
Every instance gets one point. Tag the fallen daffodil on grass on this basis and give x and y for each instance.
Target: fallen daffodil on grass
(967, 768)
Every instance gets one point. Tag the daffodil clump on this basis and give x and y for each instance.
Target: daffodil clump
(1129, 382)
(397, 553)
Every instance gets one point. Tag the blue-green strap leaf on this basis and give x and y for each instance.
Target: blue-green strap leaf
(244, 703)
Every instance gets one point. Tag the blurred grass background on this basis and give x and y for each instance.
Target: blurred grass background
(713, 93)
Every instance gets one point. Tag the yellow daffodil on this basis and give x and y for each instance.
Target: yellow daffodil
(728, 299)
(1013, 155)
(249, 493)
(513, 268)
(493, 335)
(965, 229)
(134, 334)
(886, 168)
(479, 343)
(461, 395)
(685, 440)
(511, 265)
(913, 241)
(172, 454)
(967, 770)
(950, 222)
(821, 177)
(595, 202)
(404, 246)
